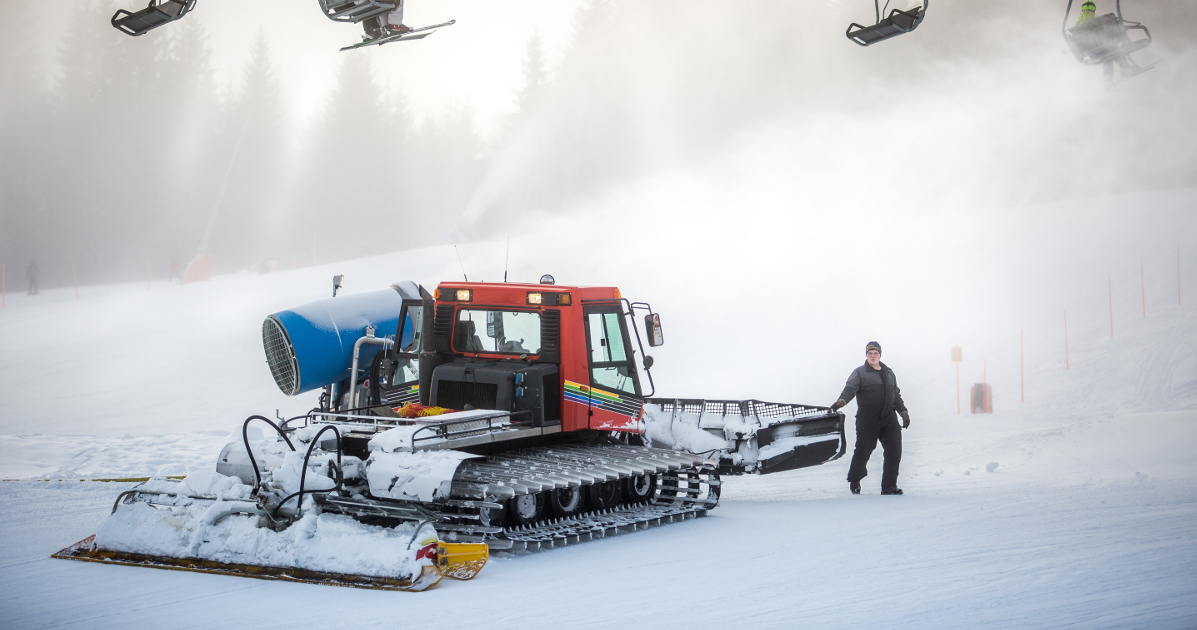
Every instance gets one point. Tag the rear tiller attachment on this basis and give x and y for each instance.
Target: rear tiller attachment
(899, 22)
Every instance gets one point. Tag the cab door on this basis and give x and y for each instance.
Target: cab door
(400, 384)
(613, 393)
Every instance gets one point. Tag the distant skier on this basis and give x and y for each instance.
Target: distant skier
(174, 271)
(31, 276)
(879, 398)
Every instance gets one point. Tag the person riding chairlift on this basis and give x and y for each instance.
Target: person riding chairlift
(387, 25)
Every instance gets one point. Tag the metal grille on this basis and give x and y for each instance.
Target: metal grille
(552, 397)
(550, 335)
(442, 326)
(280, 356)
(737, 408)
(458, 394)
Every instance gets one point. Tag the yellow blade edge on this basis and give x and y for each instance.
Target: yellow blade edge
(462, 561)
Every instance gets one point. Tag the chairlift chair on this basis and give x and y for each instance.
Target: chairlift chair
(1104, 38)
(899, 22)
(157, 13)
(356, 11)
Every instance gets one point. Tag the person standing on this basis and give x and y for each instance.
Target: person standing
(878, 401)
(31, 276)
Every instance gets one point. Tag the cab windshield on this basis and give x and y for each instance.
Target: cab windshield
(498, 332)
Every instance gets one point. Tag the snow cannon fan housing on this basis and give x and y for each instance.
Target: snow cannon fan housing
(311, 346)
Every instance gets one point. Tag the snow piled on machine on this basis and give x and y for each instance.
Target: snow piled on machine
(395, 472)
(202, 517)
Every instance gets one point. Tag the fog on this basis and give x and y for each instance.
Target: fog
(778, 193)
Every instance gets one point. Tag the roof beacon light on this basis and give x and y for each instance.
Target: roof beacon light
(547, 279)
(464, 295)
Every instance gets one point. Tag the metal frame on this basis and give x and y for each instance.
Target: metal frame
(151, 17)
(1123, 49)
(888, 28)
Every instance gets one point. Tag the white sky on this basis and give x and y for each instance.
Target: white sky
(477, 60)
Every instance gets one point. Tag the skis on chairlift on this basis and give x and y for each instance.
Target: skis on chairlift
(415, 33)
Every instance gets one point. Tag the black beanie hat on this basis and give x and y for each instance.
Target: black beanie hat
(873, 345)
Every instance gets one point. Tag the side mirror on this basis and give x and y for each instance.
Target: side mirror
(338, 282)
(652, 328)
(648, 362)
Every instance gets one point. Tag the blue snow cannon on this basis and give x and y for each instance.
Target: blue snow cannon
(311, 346)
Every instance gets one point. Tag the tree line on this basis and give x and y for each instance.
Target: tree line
(136, 155)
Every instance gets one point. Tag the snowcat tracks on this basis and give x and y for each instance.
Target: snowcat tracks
(86, 551)
(687, 486)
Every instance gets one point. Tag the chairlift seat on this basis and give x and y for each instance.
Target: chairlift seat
(898, 23)
(1104, 38)
(157, 13)
(356, 10)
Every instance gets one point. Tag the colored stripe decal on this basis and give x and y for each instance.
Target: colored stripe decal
(578, 393)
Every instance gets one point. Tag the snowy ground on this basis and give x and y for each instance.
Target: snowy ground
(1077, 508)
(1090, 525)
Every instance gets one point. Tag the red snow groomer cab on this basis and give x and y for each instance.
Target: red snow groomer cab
(560, 357)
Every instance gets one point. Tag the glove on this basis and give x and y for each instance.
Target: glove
(835, 406)
(905, 419)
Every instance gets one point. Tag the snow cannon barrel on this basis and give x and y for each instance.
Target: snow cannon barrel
(310, 346)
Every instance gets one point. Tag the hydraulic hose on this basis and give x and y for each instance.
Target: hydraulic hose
(249, 451)
(303, 475)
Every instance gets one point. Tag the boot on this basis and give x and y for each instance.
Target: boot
(891, 490)
(854, 486)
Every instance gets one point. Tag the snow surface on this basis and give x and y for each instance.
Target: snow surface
(1076, 509)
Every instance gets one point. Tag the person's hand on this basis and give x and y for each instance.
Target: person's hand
(905, 419)
(835, 406)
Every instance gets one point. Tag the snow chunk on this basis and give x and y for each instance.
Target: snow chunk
(991, 466)
(681, 432)
(420, 476)
(202, 484)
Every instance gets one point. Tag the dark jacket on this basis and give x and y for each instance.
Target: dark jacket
(878, 393)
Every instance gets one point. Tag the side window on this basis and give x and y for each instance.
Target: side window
(408, 370)
(610, 365)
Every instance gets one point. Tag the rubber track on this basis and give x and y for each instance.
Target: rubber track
(687, 487)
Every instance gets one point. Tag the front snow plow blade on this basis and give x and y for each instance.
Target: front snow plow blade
(211, 523)
(87, 551)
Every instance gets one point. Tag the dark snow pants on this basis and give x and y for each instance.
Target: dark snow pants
(867, 434)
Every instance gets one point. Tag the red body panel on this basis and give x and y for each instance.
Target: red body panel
(574, 366)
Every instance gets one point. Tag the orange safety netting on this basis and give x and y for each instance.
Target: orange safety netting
(416, 410)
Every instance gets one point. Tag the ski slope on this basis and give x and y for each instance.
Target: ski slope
(1077, 508)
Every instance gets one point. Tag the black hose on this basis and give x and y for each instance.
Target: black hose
(374, 391)
(303, 475)
(250, 452)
